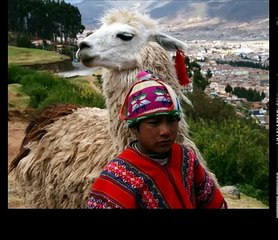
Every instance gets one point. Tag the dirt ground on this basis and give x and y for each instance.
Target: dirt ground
(16, 130)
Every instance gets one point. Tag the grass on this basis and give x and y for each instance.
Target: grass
(244, 202)
(16, 99)
(90, 81)
(81, 80)
(29, 56)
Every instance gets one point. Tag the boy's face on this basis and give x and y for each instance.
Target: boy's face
(157, 134)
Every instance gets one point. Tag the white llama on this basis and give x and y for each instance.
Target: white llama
(58, 167)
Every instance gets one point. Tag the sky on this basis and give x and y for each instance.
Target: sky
(197, 7)
(73, 1)
(140, 5)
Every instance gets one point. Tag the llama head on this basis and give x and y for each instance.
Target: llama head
(115, 45)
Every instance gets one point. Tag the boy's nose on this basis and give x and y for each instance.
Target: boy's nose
(165, 129)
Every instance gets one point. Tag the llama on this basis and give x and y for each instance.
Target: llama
(63, 153)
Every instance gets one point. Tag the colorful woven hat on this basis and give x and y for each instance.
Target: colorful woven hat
(148, 97)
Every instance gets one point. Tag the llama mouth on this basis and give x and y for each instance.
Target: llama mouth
(84, 57)
(87, 60)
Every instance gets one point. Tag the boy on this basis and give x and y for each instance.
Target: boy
(154, 172)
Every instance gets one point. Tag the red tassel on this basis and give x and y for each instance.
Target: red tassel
(181, 68)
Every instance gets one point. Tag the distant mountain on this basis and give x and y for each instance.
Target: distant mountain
(192, 20)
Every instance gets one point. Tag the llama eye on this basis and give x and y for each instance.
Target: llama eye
(125, 36)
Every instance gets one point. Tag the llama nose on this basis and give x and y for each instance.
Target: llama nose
(83, 44)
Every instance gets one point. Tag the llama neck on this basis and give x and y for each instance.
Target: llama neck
(115, 86)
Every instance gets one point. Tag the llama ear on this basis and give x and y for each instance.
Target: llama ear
(167, 42)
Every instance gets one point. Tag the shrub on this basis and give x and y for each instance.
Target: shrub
(45, 89)
(24, 40)
(237, 152)
(15, 73)
(66, 92)
(207, 108)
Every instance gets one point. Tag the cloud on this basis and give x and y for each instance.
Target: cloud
(144, 6)
(193, 11)
(73, 1)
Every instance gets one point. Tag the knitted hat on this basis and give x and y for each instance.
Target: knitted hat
(148, 97)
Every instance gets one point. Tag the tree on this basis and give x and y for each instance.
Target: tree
(228, 88)
(199, 81)
(208, 74)
(188, 66)
(44, 19)
(207, 108)
(194, 69)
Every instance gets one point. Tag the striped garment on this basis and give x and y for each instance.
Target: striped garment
(133, 180)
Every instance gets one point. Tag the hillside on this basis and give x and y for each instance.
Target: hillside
(39, 59)
(193, 20)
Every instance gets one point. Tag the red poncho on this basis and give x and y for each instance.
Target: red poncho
(133, 180)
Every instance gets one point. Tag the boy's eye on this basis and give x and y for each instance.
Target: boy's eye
(153, 122)
(174, 119)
